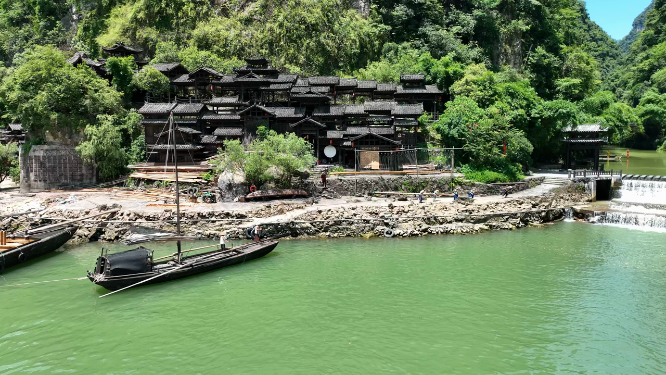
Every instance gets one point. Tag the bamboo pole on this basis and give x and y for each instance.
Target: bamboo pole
(186, 251)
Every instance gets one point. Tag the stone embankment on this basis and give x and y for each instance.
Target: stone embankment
(358, 217)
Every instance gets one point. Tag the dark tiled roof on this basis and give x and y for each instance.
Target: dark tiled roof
(329, 111)
(121, 47)
(412, 77)
(229, 132)
(347, 83)
(210, 139)
(367, 85)
(302, 82)
(310, 89)
(227, 78)
(376, 136)
(221, 116)
(279, 87)
(308, 121)
(288, 112)
(355, 109)
(355, 130)
(183, 78)
(156, 108)
(188, 147)
(590, 128)
(407, 110)
(324, 80)
(427, 89)
(188, 108)
(206, 70)
(335, 134)
(256, 106)
(189, 121)
(285, 78)
(154, 121)
(16, 127)
(251, 77)
(379, 106)
(222, 100)
(77, 58)
(385, 87)
(167, 67)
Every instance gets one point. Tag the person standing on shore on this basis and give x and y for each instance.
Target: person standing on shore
(257, 234)
(455, 195)
(471, 194)
(505, 194)
(421, 195)
(323, 179)
(434, 195)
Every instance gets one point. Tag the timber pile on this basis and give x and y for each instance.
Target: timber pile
(192, 173)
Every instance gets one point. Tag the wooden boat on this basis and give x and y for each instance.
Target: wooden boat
(121, 270)
(21, 249)
(137, 267)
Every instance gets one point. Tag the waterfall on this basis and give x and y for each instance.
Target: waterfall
(644, 221)
(638, 204)
(568, 214)
(638, 191)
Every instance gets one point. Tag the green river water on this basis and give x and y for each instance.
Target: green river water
(569, 298)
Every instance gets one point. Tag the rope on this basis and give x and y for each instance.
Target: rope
(43, 282)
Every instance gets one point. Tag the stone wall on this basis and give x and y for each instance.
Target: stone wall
(364, 185)
(52, 166)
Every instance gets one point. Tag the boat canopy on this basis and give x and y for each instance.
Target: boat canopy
(130, 262)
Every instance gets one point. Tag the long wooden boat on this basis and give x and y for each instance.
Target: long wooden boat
(124, 269)
(19, 249)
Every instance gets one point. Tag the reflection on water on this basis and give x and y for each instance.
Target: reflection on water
(570, 298)
(641, 162)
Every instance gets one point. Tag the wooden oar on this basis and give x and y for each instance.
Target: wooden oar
(53, 226)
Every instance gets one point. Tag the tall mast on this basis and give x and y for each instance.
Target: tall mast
(172, 129)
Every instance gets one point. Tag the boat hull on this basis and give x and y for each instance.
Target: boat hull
(208, 262)
(46, 243)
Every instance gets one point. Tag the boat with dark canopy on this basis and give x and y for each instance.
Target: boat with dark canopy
(18, 249)
(130, 268)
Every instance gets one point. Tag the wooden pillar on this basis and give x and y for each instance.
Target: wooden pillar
(597, 149)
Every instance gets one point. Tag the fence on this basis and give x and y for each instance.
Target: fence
(420, 159)
(573, 173)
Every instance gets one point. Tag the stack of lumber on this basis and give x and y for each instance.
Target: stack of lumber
(186, 173)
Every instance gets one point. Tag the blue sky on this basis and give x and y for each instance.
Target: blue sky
(615, 16)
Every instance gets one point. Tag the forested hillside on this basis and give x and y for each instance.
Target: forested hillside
(515, 71)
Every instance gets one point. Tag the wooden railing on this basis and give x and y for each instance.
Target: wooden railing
(574, 173)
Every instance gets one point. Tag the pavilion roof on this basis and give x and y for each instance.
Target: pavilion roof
(120, 47)
(589, 128)
(367, 85)
(379, 106)
(169, 67)
(407, 109)
(385, 87)
(412, 78)
(324, 80)
(427, 89)
(205, 70)
(383, 130)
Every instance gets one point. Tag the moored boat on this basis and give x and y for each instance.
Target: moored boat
(19, 249)
(132, 267)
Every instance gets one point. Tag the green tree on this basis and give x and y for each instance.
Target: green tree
(122, 70)
(8, 161)
(152, 81)
(46, 93)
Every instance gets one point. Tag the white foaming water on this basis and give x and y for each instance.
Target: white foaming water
(647, 222)
(568, 214)
(638, 191)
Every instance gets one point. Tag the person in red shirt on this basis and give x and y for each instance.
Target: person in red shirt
(323, 179)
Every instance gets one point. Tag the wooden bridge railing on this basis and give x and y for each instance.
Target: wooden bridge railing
(574, 173)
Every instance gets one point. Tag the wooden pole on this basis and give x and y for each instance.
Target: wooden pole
(175, 164)
(53, 226)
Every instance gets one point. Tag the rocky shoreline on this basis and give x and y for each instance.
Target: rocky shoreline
(359, 218)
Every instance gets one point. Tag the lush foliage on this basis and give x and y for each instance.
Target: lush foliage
(270, 158)
(44, 92)
(152, 81)
(113, 144)
(8, 161)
